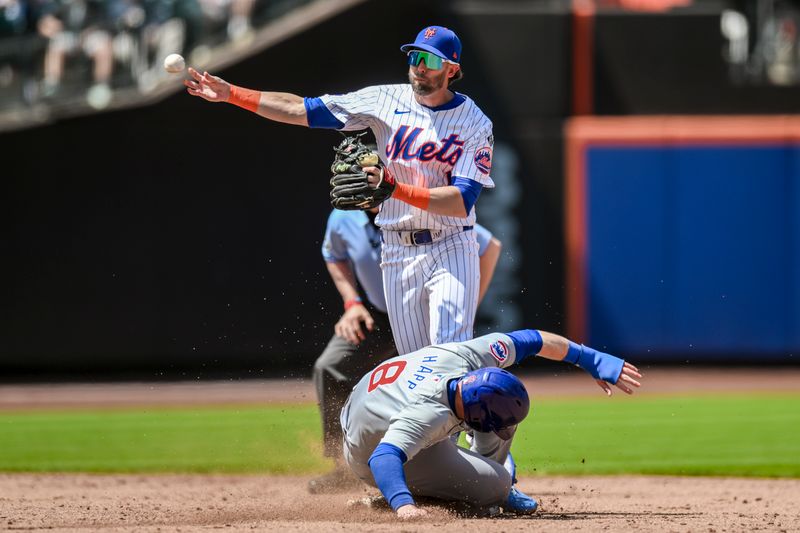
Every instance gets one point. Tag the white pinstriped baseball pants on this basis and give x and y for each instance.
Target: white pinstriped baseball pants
(431, 289)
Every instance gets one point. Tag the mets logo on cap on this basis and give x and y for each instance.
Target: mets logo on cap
(499, 350)
(430, 32)
(483, 159)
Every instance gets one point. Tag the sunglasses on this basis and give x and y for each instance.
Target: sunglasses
(432, 61)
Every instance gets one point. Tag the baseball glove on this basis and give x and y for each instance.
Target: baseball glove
(350, 187)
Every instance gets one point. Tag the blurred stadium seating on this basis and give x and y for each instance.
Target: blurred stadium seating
(64, 57)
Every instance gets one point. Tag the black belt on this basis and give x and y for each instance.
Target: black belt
(424, 236)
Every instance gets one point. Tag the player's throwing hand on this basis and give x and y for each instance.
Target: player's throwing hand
(207, 87)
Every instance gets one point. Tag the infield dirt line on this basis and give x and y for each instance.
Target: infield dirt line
(571, 382)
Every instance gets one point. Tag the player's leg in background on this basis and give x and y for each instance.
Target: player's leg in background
(336, 371)
(448, 472)
(453, 288)
(332, 389)
(404, 272)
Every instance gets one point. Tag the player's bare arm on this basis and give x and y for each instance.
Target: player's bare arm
(280, 107)
(349, 326)
(488, 262)
(445, 201)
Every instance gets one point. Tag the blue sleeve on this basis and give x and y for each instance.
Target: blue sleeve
(599, 364)
(470, 189)
(484, 236)
(319, 116)
(386, 463)
(527, 342)
(334, 247)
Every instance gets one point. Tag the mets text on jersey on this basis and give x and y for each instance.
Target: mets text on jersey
(402, 145)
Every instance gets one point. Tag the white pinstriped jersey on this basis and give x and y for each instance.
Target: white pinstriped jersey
(422, 146)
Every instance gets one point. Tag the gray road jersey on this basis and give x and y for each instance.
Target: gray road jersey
(404, 402)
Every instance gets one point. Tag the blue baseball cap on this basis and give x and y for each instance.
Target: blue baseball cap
(438, 40)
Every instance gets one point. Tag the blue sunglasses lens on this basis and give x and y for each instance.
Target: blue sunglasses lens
(432, 61)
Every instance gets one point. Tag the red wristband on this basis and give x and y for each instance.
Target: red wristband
(413, 195)
(245, 98)
(350, 303)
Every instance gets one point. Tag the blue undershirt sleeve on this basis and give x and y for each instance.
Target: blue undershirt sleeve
(527, 342)
(470, 189)
(386, 463)
(319, 116)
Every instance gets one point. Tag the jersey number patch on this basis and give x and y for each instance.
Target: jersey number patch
(385, 374)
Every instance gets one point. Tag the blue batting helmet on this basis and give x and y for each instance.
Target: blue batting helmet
(494, 400)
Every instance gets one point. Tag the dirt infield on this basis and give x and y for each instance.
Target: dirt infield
(247, 503)
(188, 503)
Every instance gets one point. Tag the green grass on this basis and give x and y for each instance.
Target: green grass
(278, 439)
(709, 435)
(727, 435)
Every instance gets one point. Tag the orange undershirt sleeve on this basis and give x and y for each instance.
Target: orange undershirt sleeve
(412, 195)
(245, 98)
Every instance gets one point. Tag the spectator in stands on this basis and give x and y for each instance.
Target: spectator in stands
(13, 27)
(146, 32)
(228, 19)
(239, 25)
(77, 28)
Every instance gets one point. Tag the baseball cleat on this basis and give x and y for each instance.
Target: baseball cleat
(520, 503)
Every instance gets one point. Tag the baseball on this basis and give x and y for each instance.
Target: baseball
(174, 63)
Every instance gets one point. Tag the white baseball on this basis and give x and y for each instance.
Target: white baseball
(174, 63)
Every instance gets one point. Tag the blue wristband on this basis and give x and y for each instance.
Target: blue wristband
(599, 364)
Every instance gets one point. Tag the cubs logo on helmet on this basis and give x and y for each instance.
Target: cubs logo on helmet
(499, 350)
(483, 160)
